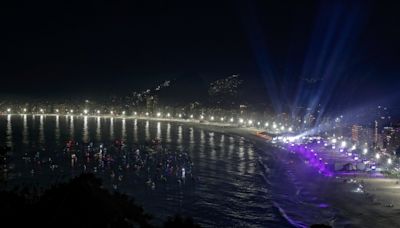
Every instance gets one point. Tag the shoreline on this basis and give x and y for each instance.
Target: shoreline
(377, 205)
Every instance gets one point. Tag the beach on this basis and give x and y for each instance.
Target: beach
(304, 196)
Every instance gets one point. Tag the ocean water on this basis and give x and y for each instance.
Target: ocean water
(236, 182)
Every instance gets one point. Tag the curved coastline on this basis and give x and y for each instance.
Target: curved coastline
(248, 134)
(333, 198)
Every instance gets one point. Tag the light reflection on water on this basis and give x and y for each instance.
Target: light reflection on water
(57, 129)
(85, 137)
(168, 133)
(135, 131)
(98, 129)
(112, 128)
(9, 132)
(25, 133)
(159, 131)
(71, 127)
(123, 128)
(230, 190)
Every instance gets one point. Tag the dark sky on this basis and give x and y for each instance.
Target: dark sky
(286, 47)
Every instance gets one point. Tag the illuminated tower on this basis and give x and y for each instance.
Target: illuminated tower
(376, 134)
(355, 133)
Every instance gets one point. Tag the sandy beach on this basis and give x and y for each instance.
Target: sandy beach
(359, 201)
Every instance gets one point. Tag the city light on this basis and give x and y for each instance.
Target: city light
(210, 103)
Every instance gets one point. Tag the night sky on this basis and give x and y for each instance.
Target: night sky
(299, 52)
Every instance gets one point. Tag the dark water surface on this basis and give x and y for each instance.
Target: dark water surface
(232, 189)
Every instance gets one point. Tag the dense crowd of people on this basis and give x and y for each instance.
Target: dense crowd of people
(150, 163)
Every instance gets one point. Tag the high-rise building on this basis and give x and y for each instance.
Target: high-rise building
(376, 135)
(151, 103)
(356, 132)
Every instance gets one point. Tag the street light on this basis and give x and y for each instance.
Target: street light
(123, 112)
(250, 122)
(158, 114)
(377, 156)
(41, 110)
(191, 116)
(111, 112)
(168, 115)
(98, 111)
(389, 161)
(212, 118)
(241, 120)
(71, 111)
(180, 115)
(85, 111)
(231, 120)
(9, 110)
(202, 117)
(365, 151)
(266, 124)
(344, 144)
(24, 109)
(147, 114)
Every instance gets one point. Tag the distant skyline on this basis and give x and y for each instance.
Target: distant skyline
(331, 52)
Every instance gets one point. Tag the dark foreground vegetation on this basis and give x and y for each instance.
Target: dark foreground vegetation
(81, 202)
